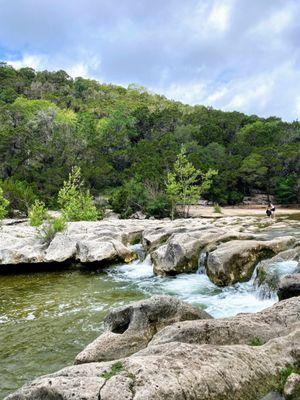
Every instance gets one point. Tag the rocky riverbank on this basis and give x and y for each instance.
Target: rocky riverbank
(228, 248)
(163, 348)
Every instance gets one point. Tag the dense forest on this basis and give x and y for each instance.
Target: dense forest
(125, 142)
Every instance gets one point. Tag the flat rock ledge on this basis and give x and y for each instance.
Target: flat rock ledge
(228, 248)
(197, 367)
(101, 242)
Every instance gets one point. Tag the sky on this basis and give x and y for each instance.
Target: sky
(241, 55)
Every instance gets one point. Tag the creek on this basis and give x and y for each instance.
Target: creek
(46, 318)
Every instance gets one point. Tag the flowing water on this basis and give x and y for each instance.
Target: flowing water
(46, 318)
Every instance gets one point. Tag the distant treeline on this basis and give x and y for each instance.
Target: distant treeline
(129, 139)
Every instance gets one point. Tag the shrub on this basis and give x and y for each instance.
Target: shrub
(256, 341)
(76, 203)
(159, 207)
(4, 203)
(19, 193)
(285, 373)
(136, 196)
(37, 213)
(50, 228)
(217, 209)
(131, 197)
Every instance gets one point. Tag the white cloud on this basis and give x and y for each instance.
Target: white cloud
(219, 17)
(37, 62)
(188, 93)
(85, 68)
(234, 55)
(278, 21)
(264, 94)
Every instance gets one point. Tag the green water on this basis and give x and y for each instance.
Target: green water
(47, 318)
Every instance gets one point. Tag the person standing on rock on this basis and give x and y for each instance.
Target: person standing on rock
(270, 211)
(272, 208)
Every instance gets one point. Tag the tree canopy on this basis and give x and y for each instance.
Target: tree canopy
(122, 138)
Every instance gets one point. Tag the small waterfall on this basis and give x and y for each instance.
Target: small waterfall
(197, 289)
(202, 262)
(267, 285)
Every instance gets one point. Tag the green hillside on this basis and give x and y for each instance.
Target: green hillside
(130, 138)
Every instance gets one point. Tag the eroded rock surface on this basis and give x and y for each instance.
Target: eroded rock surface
(289, 286)
(130, 328)
(292, 387)
(230, 246)
(252, 328)
(181, 252)
(174, 371)
(235, 261)
(87, 242)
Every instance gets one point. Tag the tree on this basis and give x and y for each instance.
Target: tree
(3, 205)
(183, 186)
(75, 202)
(253, 170)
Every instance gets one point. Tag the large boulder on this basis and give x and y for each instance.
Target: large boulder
(252, 328)
(19, 244)
(181, 252)
(291, 388)
(98, 242)
(270, 272)
(289, 286)
(130, 328)
(173, 371)
(235, 261)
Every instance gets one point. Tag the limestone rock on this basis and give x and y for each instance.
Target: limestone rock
(278, 320)
(181, 252)
(235, 261)
(99, 242)
(61, 248)
(270, 272)
(292, 387)
(289, 286)
(130, 328)
(174, 371)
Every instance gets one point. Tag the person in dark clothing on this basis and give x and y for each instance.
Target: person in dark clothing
(270, 211)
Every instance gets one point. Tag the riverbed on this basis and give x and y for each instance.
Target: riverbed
(46, 318)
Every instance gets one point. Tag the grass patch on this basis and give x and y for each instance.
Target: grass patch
(256, 341)
(116, 368)
(284, 373)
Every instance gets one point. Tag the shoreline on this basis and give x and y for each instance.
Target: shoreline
(236, 211)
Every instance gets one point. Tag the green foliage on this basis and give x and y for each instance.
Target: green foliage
(183, 183)
(3, 205)
(19, 194)
(285, 373)
(75, 202)
(37, 213)
(116, 368)
(287, 189)
(48, 230)
(136, 196)
(159, 206)
(256, 341)
(217, 209)
(50, 122)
